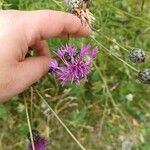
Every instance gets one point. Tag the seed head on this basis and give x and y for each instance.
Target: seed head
(80, 8)
(137, 55)
(73, 4)
(35, 134)
(144, 76)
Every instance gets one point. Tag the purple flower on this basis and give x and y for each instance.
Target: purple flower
(40, 144)
(54, 66)
(76, 65)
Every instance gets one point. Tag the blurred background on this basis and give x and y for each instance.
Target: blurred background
(109, 112)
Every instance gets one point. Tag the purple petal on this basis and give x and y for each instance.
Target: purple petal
(70, 50)
(94, 53)
(85, 50)
(53, 64)
(60, 53)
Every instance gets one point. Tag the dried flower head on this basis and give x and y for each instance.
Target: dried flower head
(39, 142)
(137, 55)
(76, 65)
(35, 134)
(144, 76)
(80, 8)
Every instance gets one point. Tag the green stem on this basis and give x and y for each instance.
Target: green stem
(29, 124)
(60, 121)
(111, 97)
(117, 57)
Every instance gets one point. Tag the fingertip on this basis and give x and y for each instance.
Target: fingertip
(74, 26)
(84, 31)
(47, 24)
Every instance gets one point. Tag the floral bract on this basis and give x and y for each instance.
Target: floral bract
(80, 8)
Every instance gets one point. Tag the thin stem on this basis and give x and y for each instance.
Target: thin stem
(142, 5)
(31, 105)
(111, 97)
(58, 3)
(109, 39)
(131, 15)
(29, 124)
(122, 47)
(60, 121)
(103, 117)
(68, 39)
(117, 57)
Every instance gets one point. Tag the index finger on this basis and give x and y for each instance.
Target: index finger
(44, 24)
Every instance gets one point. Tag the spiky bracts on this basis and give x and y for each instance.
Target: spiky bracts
(144, 76)
(137, 55)
(80, 8)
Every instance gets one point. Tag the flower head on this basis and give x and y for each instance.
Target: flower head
(39, 142)
(144, 76)
(137, 55)
(54, 66)
(73, 4)
(76, 65)
(80, 8)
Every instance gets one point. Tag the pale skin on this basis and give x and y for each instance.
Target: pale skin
(20, 30)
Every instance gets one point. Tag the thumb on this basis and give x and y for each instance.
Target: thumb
(32, 69)
(22, 75)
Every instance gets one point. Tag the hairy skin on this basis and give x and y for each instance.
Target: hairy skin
(20, 30)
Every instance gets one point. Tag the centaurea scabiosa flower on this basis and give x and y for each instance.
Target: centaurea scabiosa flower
(40, 143)
(137, 55)
(76, 65)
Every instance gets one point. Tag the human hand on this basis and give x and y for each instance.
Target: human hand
(20, 30)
